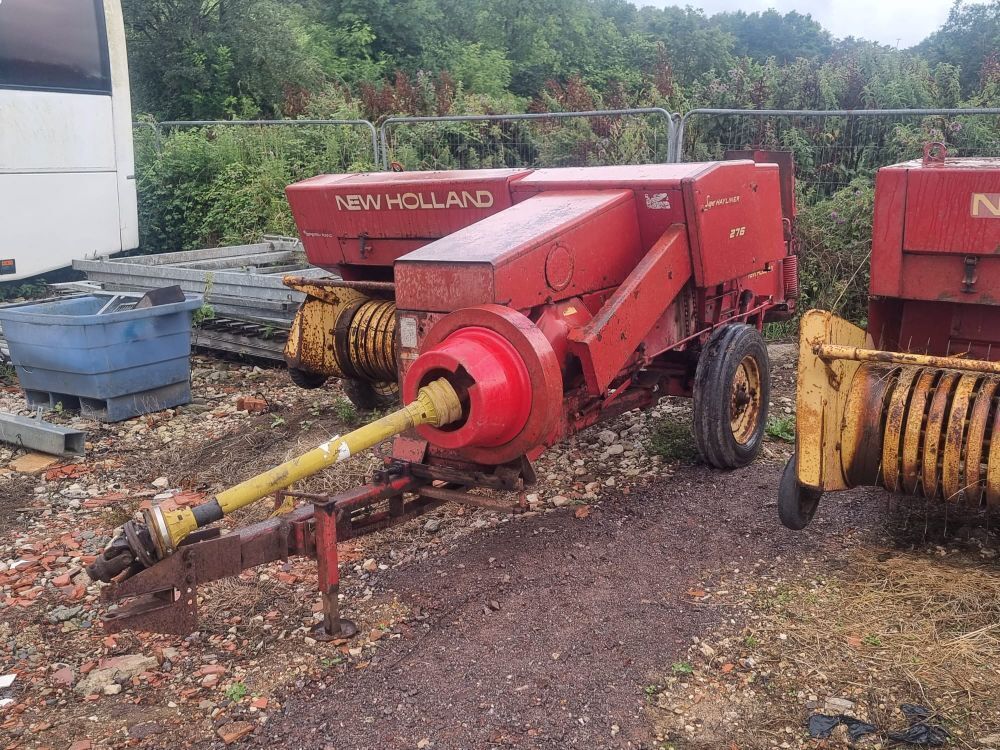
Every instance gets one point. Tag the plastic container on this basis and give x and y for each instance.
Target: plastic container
(112, 366)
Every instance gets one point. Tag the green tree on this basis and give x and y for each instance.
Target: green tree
(207, 59)
(771, 34)
(694, 46)
(967, 39)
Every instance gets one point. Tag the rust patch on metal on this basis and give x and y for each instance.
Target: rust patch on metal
(978, 423)
(954, 442)
(894, 422)
(913, 436)
(863, 431)
(936, 416)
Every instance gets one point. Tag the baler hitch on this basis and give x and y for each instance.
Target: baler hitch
(165, 557)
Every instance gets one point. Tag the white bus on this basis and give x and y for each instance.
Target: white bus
(67, 182)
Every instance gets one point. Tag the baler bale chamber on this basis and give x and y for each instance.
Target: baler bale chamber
(612, 280)
(510, 308)
(912, 403)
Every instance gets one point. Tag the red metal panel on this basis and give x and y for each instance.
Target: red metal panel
(942, 278)
(945, 329)
(926, 213)
(657, 188)
(371, 219)
(887, 233)
(610, 340)
(551, 247)
(786, 168)
(734, 220)
(953, 210)
(632, 177)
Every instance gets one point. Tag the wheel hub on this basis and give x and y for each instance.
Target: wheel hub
(745, 406)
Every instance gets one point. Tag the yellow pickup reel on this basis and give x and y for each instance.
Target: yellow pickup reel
(914, 424)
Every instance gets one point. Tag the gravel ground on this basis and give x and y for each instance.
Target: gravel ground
(562, 627)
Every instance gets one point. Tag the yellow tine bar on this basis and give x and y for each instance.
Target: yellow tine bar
(835, 351)
(993, 468)
(914, 430)
(894, 421)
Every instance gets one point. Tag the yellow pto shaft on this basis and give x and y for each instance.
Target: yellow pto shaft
(437, 404)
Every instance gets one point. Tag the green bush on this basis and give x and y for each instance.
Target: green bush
(226, 184)
(835, 237)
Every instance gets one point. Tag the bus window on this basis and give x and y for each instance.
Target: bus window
(54, 45)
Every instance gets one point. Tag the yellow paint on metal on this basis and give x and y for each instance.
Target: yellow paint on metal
(822, 395)
(933, 430)
(311, 342)
(745, 400)
(978, 423)
(834, 351)
(914, 430)
(371, 340)
(993, 467)
(919, 424)
(894, 422)
(341, 333)
(436, 404)
(864, 396)
(952, 482)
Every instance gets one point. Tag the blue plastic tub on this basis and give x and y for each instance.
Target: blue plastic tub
(112, 366)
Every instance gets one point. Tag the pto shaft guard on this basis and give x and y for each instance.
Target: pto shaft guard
(511, 378)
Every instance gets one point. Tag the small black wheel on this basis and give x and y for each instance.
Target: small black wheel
(732, 388)
(372, 396)
(796, 504)
(306, 379)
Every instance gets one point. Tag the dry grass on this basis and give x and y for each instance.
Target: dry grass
(237, 596)
(895, 627)
(886, 627)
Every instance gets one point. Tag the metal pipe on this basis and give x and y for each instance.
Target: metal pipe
(333, 283)
(516, 118)
(437, 404)
(857, 354)
(953, 112)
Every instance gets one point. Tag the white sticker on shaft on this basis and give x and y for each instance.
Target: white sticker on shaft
(325, 447)
(343, 452)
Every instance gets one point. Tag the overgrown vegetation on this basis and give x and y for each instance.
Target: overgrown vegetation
(31, 290)
(345, 412)
(672, 439)
(835, 242)
(781, 428)
(347, 59)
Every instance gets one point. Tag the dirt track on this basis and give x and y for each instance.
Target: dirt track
(544, 632)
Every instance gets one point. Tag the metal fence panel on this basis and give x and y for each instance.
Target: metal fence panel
(831, 148)
(331, 145)
(550, 139)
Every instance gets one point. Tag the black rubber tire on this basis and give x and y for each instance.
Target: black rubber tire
(372, 396)
(713, 386)
(796, 504)
(306, 379)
